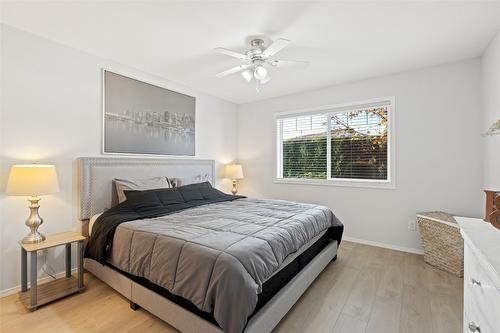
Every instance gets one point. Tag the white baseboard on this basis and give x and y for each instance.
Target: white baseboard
(13, 290)
(384, 245)
(16, 289)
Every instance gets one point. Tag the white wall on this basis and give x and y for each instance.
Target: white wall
(491, 113)
(438, 151)
(51, 113)
(438, 146)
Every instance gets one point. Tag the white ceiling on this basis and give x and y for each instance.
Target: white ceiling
(343, 41)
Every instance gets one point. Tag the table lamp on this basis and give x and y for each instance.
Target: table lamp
(234, 172)
(32, 180)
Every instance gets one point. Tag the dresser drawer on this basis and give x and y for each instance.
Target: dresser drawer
(475, 315)
(481, 298)
(473, 267)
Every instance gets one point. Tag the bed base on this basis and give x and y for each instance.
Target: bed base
(134, 306)
(185, 321)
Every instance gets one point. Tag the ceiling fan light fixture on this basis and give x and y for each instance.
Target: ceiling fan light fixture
(255, 58)
(265, 80)
(260, 72)
(247, 75)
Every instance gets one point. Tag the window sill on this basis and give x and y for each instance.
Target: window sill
(339, 183)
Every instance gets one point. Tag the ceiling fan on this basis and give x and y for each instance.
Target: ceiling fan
(256, 59)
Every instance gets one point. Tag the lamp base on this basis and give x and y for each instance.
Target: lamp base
(33, 238)
(33, 222)
(234, 190)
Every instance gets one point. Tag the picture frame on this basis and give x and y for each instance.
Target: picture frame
(142, 118)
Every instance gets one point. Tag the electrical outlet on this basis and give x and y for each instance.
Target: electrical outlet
(412, 225)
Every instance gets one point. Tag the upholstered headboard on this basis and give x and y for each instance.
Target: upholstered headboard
(96, 175)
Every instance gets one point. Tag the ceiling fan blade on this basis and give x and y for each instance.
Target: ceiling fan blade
(231, 53)
(278, 45)
(288, 63)
(233, 70)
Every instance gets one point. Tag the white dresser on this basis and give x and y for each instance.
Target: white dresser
(481, 275)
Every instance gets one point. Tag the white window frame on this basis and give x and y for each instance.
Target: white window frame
(389, 183)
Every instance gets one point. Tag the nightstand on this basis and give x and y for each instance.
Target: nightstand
(58, 288)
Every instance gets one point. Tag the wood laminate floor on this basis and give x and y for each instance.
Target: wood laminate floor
(368, 289)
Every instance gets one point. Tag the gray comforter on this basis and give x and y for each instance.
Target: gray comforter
(218, 255)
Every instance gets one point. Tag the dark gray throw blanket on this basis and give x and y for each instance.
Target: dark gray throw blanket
(213, 249)
(148, 204)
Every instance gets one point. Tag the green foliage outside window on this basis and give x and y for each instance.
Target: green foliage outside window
(357, 152)
(369, 161)
(305, 158)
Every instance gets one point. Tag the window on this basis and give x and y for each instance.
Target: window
(340, 144)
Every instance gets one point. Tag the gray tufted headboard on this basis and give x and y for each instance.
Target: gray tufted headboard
(96, 174)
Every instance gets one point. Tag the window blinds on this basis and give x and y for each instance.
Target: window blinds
(359, 144)
(304, 146)
(348, 144)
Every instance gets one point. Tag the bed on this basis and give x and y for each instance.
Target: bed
(218, 263)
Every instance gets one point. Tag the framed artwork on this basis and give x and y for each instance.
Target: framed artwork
(142, 118)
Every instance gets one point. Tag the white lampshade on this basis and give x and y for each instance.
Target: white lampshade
(260, 72)
(247, 75)
(32, 180)
(234, 171)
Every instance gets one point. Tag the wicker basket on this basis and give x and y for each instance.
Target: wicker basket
(443, 244)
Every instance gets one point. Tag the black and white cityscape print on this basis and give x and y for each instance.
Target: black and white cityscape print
(141, 118)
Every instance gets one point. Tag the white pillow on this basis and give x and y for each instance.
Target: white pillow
(176, 182)
(139, 185)
(92, 221)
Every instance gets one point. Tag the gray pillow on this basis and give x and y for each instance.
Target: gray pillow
(176, 182)
(139, 185)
